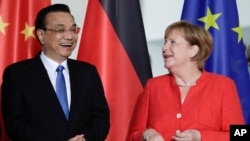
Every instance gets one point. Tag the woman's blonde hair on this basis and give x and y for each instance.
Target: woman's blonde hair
(195, 35)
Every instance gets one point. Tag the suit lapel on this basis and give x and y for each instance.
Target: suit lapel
(74, 88)
(77, 89)
(43, 82)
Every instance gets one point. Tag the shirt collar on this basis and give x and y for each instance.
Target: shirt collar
(51, 64)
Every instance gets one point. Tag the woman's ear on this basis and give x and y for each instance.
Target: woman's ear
(194, 50)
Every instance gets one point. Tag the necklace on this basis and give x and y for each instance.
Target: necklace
(186, 84)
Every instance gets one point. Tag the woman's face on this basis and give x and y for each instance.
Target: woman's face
(176, 50)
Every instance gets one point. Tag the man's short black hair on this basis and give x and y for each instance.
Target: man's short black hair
(40, 22)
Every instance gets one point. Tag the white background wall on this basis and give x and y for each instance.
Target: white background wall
(157, 15)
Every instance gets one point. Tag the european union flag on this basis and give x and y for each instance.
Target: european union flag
(220, 18)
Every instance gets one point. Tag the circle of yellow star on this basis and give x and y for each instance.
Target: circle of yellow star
(239, 32)
(210, 19)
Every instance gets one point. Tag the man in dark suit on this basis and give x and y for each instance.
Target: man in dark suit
(31, 108)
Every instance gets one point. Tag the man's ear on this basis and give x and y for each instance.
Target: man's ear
(40, 34)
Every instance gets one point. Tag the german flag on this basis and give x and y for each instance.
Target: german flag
(113, 39)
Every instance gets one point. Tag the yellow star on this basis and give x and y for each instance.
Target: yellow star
(2, 25)
(28, 31)
(239, 31)
(210, 19)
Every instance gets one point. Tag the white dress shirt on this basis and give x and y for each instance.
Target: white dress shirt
(50, 66)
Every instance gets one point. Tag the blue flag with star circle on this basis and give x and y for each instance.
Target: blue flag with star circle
(220, 18)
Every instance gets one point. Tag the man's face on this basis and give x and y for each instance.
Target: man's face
(59, 38)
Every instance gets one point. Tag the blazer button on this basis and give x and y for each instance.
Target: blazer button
(178, 115)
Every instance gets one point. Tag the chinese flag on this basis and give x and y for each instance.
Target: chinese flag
(113, 39)
(17, 36)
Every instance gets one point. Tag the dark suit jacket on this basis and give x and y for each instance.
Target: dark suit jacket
(32, 112)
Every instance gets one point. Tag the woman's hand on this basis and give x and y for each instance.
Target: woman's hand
(187, 135)
(152, 135)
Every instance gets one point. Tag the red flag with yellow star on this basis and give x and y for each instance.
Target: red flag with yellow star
(17, 36)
